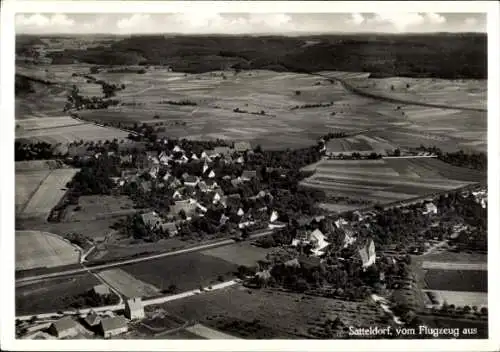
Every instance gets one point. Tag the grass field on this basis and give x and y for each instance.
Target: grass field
(462, 298)
(186, 271)
(99, 207)
(457, 280)
(279, 314)
(126, 284)
(239, 254)
(39, 201)
(35, 249)
(48, 295)
(388, 180)
(454, 266)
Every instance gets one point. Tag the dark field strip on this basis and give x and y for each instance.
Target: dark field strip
(47, 296)
(187, 271)
(451, 171)
(457, 280)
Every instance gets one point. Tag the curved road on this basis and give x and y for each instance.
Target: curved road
(366, 94)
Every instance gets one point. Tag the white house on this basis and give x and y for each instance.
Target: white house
(240, 212)
(317, 240)
(211, 174)
(274, 216)
(205, 168)
(194, 157)
(177, 195)
(64, 327)
(191, 181)
(367, 254)
(430, 208)
(177, 149)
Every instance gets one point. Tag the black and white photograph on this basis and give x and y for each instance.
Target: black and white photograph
(198, 173)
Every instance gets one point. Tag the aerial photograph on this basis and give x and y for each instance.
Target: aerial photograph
(287, 176)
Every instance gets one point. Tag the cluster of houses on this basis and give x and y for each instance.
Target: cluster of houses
(106, 324)
(481, 197)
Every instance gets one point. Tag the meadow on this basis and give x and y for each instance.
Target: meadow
(239, 253)
(35, 249)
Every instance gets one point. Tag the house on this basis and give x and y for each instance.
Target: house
(247, 175)
(205, 167)
(126, 159)
(277, 225)
(430, 208)
(211, 174)
(202, 186)
(340, 223)
(191, 181)
(101, 290)
(274, 216)
(236, 181)
(188, 206)
(317, 240)
(134, 309)
(211, 184)
(349, 237)
(154, 171)
(177, 149)
(170, 228)
(205, 156)
(223, 219)
(240, 212)
(92, 319)
(242, 147)
(113, 326)
(174, 183)
(145, 186)
(240, 160)
(194, 157)
(177, 195)
(244, 224)
(223, 151)
(294, 263)
(151, 220)
(367, 254)
(64, 327)
(128, 174)
(164, 158)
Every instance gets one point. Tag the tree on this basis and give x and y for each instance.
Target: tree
(484, 310)
(172, 288)
(297, 92)
(392, 87)
(397, 152)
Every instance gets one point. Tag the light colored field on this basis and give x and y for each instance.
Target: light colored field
(35, 249)
(68, 134)
(454, 266)
(240, 253)
(209, 333)
(36, 165)
(48, 194)
(128, 285)
(47, 122)
(27, 183)
(460, 298)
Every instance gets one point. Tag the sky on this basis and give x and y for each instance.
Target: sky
(247, 23)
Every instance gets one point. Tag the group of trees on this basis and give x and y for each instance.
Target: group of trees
(477, 161)
(89, 299)
(33, 151)
(78, 102)
(184, 102)
(308, 106)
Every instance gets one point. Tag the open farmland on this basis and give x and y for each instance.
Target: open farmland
(51, 295)
(461, 298)
(239, 253)
(280, 314)
(467, 93)
(38, 202)
(126, 284)
(35, 249)
(185, 271)
(388, 180)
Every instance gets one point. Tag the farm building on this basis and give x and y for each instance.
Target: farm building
(134, 308)
(274, 216)
(247, 175)
(92, 319)
(236, 181)
(151, 220)
(430, 208)
(64, 327)
(242, 147)
(113, 326)
(191, 181)
(223, 151)
(188, 206)
(101, 290)
(170, 228)
(317, 240)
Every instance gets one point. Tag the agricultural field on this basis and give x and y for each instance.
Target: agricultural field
(273, 109)
(457, 280)
(185, 271)
(99, 207)
(275, 314)
(458, 92)
(35, 249)
(239, 253)
(454, 266)
(462, 298)
(37, 192)
(50, 295)
(66, 134)
(388, 180)
(126, 284)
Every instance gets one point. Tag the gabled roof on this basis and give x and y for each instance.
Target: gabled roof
(191, 179)
(223, 150)
(150, 219)
(134, 303)
(65, 323)
(110, 324)
(92, 318)
(249, 174)
(242, 146)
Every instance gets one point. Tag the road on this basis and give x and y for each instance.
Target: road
(145, 303)
(136, 260)
(409, 157)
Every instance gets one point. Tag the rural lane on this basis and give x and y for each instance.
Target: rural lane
(137, 260)
(145, 303)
